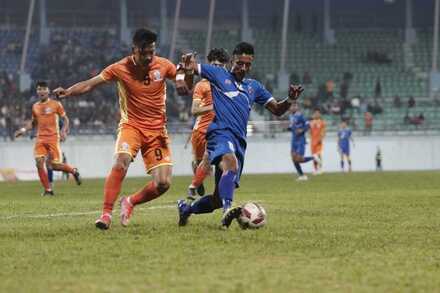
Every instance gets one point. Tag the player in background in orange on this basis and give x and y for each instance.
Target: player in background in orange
(317, 134)
(140, 79)
(45, 117)
(202, 109)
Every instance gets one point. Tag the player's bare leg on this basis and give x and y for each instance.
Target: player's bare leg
(297, 161)
(68, 169)
(40, 163)
(112, 188)
(159, 185)
(202, 171)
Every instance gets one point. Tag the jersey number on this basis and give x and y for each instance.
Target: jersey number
(158, 154)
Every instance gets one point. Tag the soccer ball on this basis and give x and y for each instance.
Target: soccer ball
(253, 216)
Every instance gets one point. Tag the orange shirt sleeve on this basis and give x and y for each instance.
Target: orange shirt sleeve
(60, 110)
(199, 91)
(109, 73)
(171, 72)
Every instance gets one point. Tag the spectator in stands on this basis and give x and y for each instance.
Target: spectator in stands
(378, 89)
(411, 102)
(294, 78)
(307, 78)
(368, 123)
(343, 90)
(356, 104)
(397, 103)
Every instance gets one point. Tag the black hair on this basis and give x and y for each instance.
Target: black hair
(144, 37)
(317, 109)
(243, 48)
(220, 55)
(41, 83)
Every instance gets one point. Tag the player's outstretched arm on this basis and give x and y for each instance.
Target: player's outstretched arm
(28, 126)
(79, 88)
(279, 108)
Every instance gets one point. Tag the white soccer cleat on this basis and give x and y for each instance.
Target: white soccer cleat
(302, 178)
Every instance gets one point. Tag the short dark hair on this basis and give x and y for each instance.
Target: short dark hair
(317, 110)
(144, 37)
(243, 48)
(41, 83)
(218, 54)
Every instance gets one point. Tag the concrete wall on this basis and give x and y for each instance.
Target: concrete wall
(93, 156)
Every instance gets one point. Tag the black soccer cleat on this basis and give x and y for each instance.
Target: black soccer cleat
(77, 176)
(229, 216)
(48, 193)
(192, 194)
(201, 190)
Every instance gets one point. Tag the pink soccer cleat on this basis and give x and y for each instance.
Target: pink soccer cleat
(104, 222)
(126, 211)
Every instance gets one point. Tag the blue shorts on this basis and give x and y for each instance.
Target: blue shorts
(344, 150)
(299, 148)
(221, 142)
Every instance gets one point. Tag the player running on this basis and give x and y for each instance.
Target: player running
(317, 134)
(45, 116)
(202, 109)
(344, 137)
(140, 79)
(233, 97)
(299, 126)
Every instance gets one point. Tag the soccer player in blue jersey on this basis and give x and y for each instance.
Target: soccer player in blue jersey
(299, 125)
(233, 96)
(344, 137)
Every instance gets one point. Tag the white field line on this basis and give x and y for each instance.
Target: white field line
(74, 214)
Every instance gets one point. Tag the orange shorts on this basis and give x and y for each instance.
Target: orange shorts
(316, 147)
(48, 149)
(154, 145)
(198, 141)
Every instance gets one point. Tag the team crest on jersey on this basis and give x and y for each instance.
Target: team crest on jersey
(156, 75)
(124, 146)
(228, 81)
(47, 110)
(250, 90)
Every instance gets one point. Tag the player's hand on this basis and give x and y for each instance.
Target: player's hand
(63, 135)
(60, 92)
(188, 62)
(295, 91)
(182, 88)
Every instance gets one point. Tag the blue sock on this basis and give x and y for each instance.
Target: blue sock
(306, 159)
(298, 168)
(226, 188)
(203, 205)
(50, 175)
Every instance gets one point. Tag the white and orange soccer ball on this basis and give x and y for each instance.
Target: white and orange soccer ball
(253, 216)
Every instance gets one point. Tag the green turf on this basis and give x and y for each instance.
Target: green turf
(363, 232)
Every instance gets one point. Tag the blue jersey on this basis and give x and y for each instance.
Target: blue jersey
(232, 99)
(298, 121)
(344, 136)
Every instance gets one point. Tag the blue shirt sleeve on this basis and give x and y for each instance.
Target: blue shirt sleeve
(262, 96)
(211, 73)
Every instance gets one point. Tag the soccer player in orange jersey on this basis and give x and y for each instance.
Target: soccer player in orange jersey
(317, 134)
(140, 79)
(45, 115)
(202, 108)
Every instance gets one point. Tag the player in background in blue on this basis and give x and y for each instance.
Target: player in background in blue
(233, 96)
(299, 125)
(344, 137)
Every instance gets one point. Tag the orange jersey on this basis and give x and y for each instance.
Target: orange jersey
(202, 92)
(142, 93)
(317, 129)
(47, 116)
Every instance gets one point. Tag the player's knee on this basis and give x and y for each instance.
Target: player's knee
(229, 163)
(122, 163)
(163, 184)
(39, 163)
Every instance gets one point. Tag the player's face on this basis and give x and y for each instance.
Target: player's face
(145, 55)
(294, 107)
(241, 65)
(43, 92)
(316, 115)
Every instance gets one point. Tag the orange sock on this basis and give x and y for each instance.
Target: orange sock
(43, 178)
(112, 187)
(199, 176)
(147, 193)
(64, 167)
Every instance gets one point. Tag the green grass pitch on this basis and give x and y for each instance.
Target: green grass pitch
(360, 232)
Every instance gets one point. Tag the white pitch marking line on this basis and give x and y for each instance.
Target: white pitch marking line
(46, 216)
